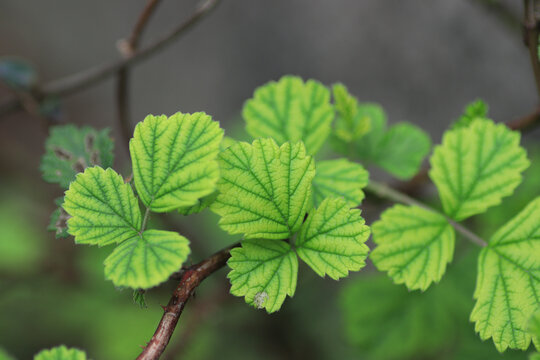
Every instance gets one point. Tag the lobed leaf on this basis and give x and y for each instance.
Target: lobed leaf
(332, 240)
(413, 245)
(264, 272)
(61, 353)
(351, 124)
(290, 110)
(508, 284)
(102, 207)
(69, 150)
(402, 150)
(264, 190)
(147, 260)
(174, 159)
(475, 167)
(476, 109)
(58, 221)
(339, 178)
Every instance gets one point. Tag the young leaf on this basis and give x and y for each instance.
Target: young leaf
(339, 178)
(146, 260)
(102, 207)
(61, 353)
(368, 147)
(59, 218)
(264, 190)
(174, 159)
(476, 109)
(508, 285)
(475, 167)
(69, 150)
(350, 125)
(290, 110)
(402, 150)
(332, 239)
(264, 271)
(413, 245)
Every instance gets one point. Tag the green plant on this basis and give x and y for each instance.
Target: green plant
(287, 205)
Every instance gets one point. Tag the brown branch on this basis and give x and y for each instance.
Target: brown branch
(84, 79)
(525, 123)
(191, 278)
(127, 48)
(531, 25)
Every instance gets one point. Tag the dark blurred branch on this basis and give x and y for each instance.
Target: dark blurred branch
(127, 48)
(527, 122)
(502, 12)
(389, 193)
(84, 79)
(191, 278)
(531, 25)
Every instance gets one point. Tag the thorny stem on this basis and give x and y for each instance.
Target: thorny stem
(387, 192)
(191, 278)
(84, 79)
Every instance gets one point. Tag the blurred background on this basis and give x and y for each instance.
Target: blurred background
(423, 61)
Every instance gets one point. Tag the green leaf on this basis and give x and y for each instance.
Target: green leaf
(147, 260)
(402, 150)
(69, 150)
(476, 109)
(290, 110)
(475, 167)
(413, 245)
(350, 125)
(264, 272)
(174, 159)
(139, 298)
(368, 147)
(508, 284)
(61, 353)
(4, 355)
(265, 190)
(58, 222)
(332, 239)
(339, 178)
(102, 207)
(534, 328)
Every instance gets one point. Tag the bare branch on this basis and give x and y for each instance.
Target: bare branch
(191, 278)
(531, 25)
(84, 79)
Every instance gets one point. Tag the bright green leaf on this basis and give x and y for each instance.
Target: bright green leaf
(332, 239)
(534, 328)
(368, 147)
(402, 150)
(476, 109)
(69, 150)
(339, 178)
(139, 298)
(350, 125)
(413, 245)
(147, 260)
(508, 285)
(61, 353)
(290, 110)
(174, 159)
(102, 207)
(264, 190)
(475, 167)
(264, 271)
